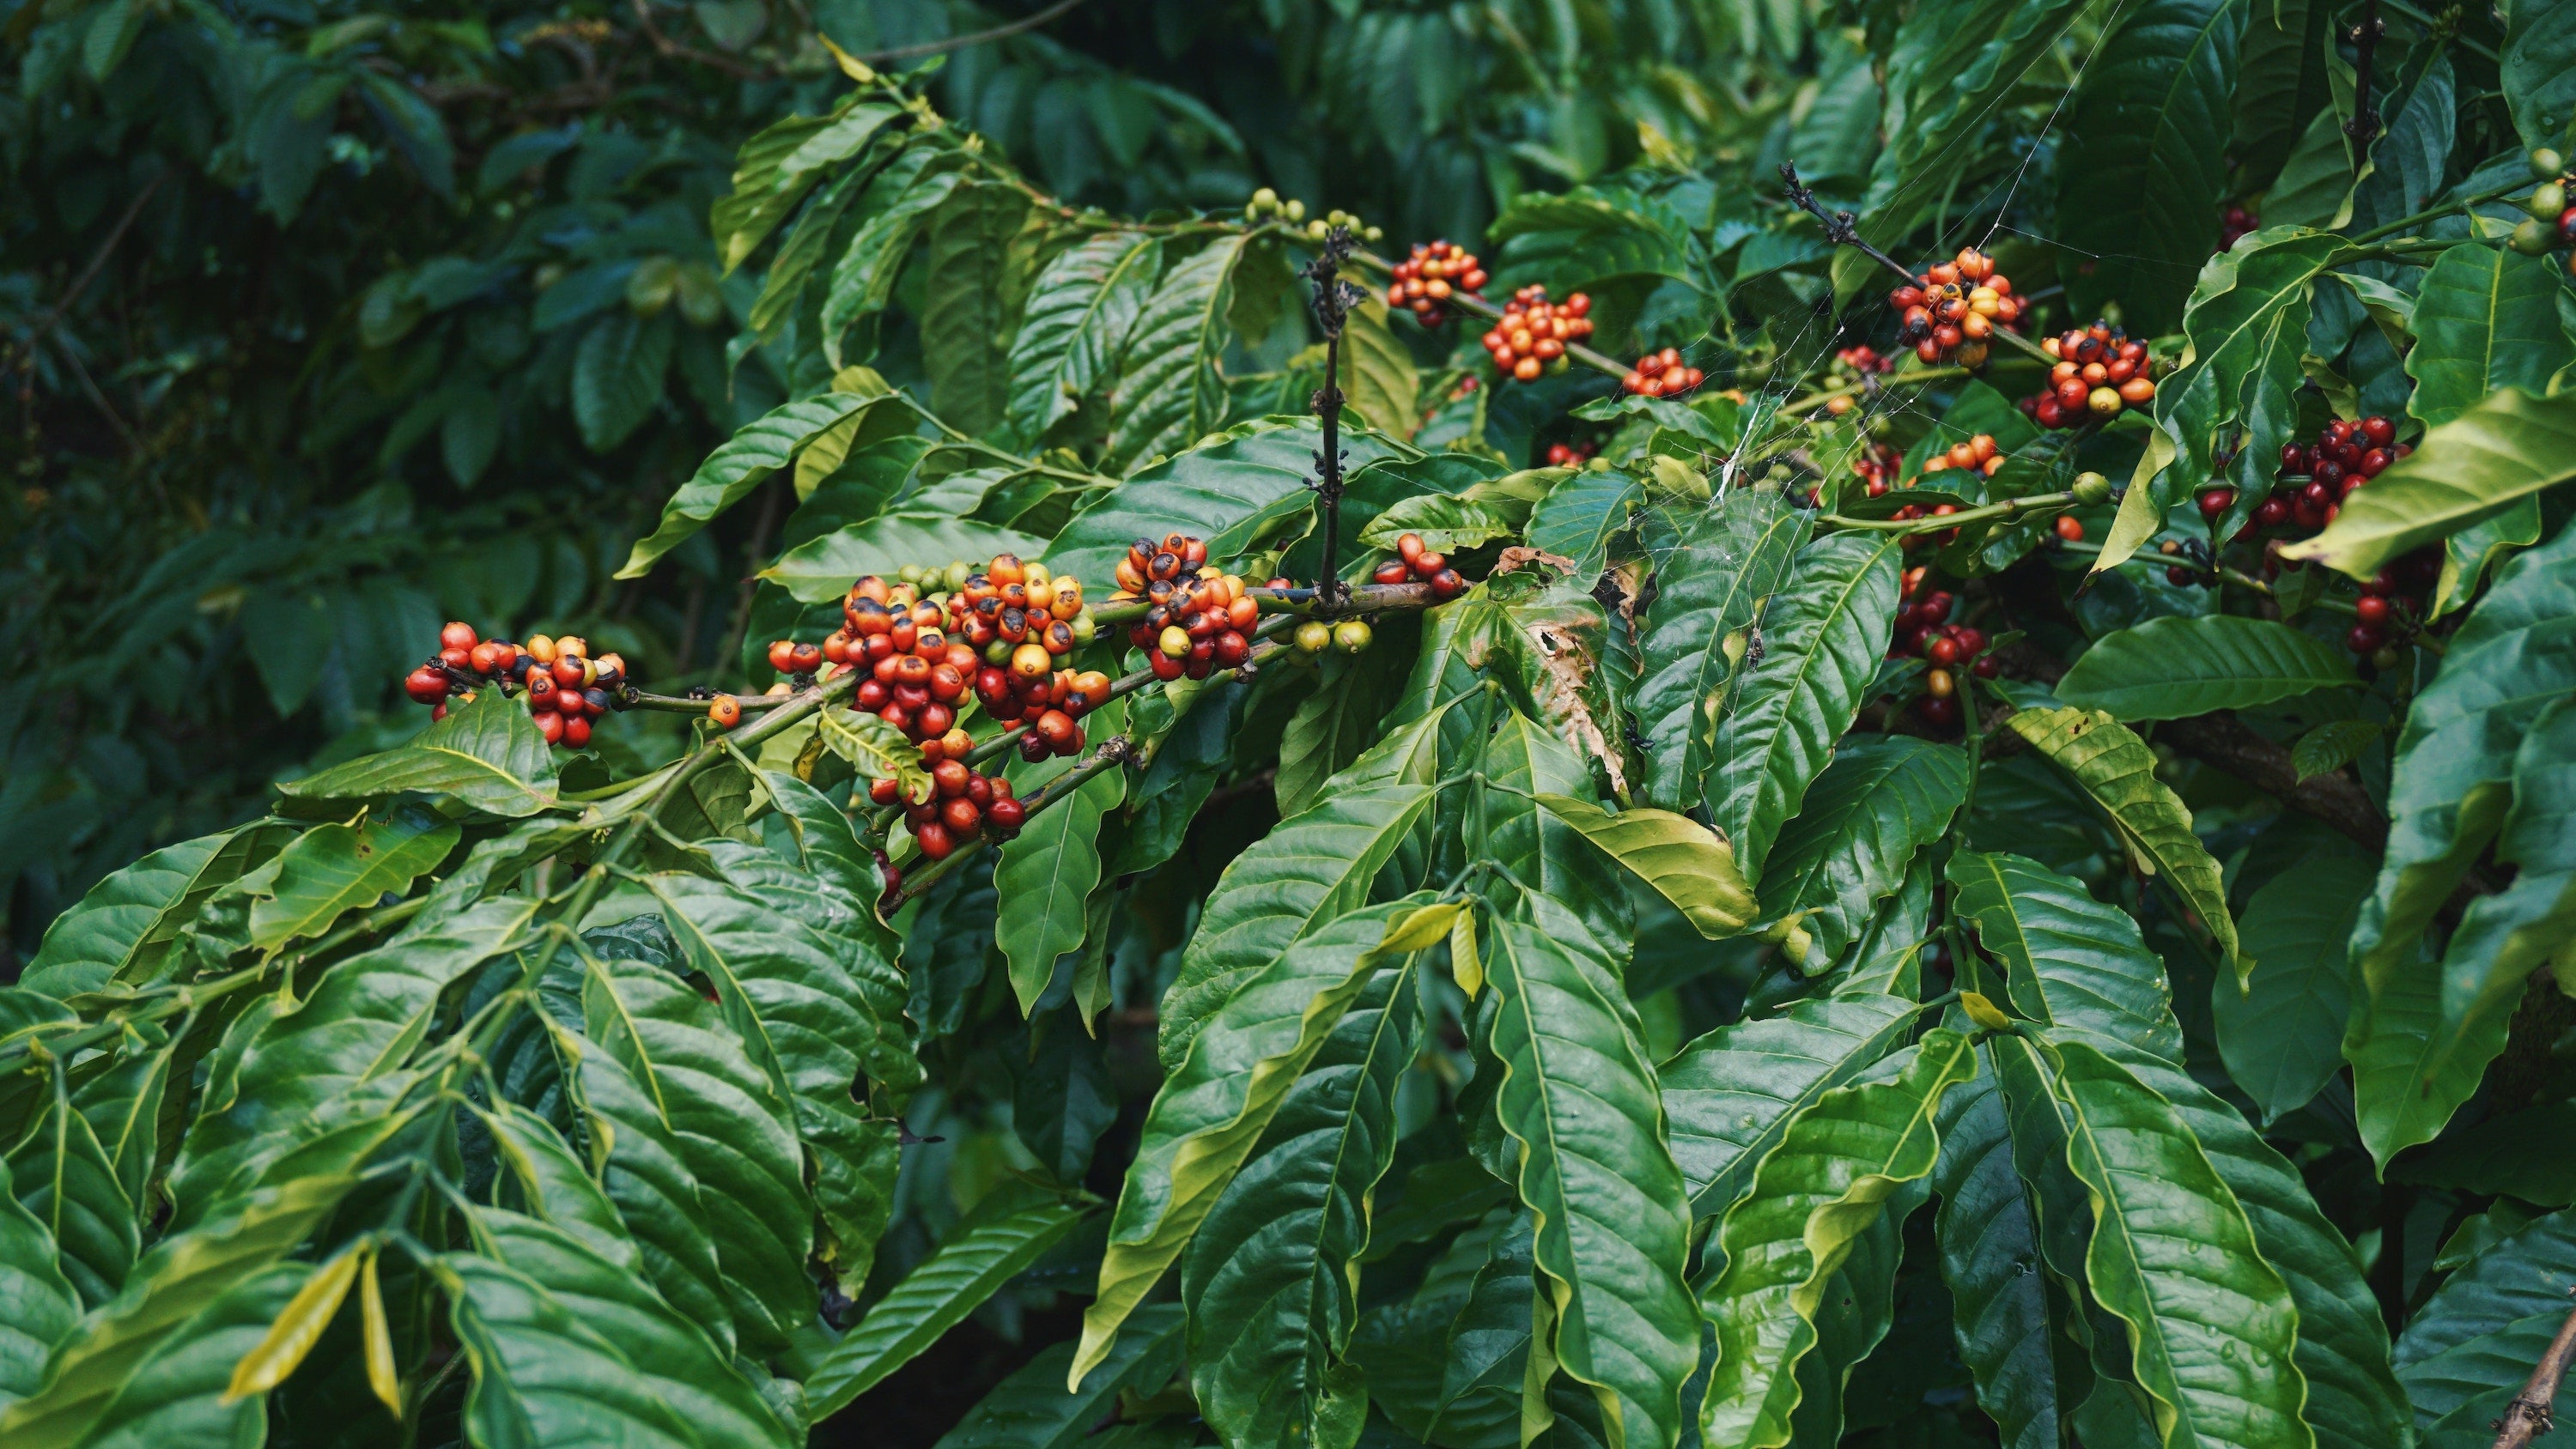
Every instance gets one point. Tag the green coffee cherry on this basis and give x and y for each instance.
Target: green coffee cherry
(1353, 636)
(2547, 200)
(1265, 200)
(1295, 210)
(2092, 489)
(2547, 165)
(1314, 637)
(2534, 238)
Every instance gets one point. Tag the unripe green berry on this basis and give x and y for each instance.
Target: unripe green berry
(1265, 200)
(2092, 489)
(2547, 165)
(2547, 200)
(1319, 228)
(1376, 233)
(1295, 210)
(1314, 637)
(1352, 636)
(2534, 238)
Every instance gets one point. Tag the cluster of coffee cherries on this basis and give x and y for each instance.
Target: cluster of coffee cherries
(1924, 629)
(1978, 453)
(2316, 477)
(1531, 336)
(2552, 226)
(1862, 360)
(1266, 203)
(564, 686)
(2236, 222)
(963, 805)
(1434, 273)
(1956, 307)
(1661, 374)
(1198, 618)
(1571, 455)
(1416, 563)
(2099, 373)
(2391, 607)
(1876, 467)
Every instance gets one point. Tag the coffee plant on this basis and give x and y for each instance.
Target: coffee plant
(1969, 850)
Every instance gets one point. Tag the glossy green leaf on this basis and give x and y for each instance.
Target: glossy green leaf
(777, 166)
(896, 205)
(178, 1393)
(974, 284)
(1684, 861)
(1444, 524)
(2068, 960)
(349, 1034)
(2281, 83)
(1170, 392)
(2538, 70)
(1236, 492)
(2485, 319)
(2247, 326)
(2449, 796)
(819, 1010)
(667, 1356)
(38, 1306)
(1033, 1410)
(333, 869)
(2175, 666)
(2485, 1326)
(2497, 1156)
(1581, 515)
(1269, 1278)
(1821, 642)
(62, 1175)
(1881, 800)
(1578, 1102)
(2282, 1035)
(122, 930)
(1234, 1074)
(2332, 745)
(1378, 373)
(820, 571)
(540, 1373)
(487, 754)
(537, 1175)
(1730, 1096)
(1334, 722)
(989, 1248)
(2117, 769)
(2146, 157)
(2213, 1328)
(1710, 591)
(1830, 1178)
(617, 375)
(2506, 448)
(1522, 761)
(1948, 68)
(1081, 308)
(727, 1122)
(181, 1277)
(732, 471)
(1046, 876)
(1309, 870)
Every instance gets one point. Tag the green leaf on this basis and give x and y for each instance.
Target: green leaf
(1170, 390)
(1334, 722)
(179, 1393)
(2247, 327)
(2449, 795)
(2495, 1157)
(727, 1123)
(38, 1308)
(541, 1374)
(991, 1247)
(487, 754)
(2213, 1329)
(333, 869)
(819, 1009)
(1581, 514)
(2281, 83)
(2485, 1326)
(1240, 491)
(1710, 591)
(730, 472)
(1046, 875)
(2353, 1395)
(668, 1356)
(1821, 639)
(1378, 374)
(776, 167)
(2485, 318)
(182, 1276)
(617, 375)
(896, 204)
(1270, 1278)
(2538, 71)
(1303, 874)
(1827, 1181)
(62, 1175)
(1950, 67)
(350, 1034)
(123, 929)
(1588, 236)
(1684, 861)
(1444, 524)
(2176, 666)
(1523, 760)
(2117, 769)
(1081, 309)
(536, 1174)
(970, 307)
(1731, 1095)
(2069, 960)
(1881, 800)
(1033, 1410)
(1578, 1101)
(2282, 1035)
(1233, 1075)
(2146, 157)
(2508, 447)
(820, 571)
(2332, 745)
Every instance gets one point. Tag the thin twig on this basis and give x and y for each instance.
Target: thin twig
(1843, 230)
(961, 42)
(2529, 1415)
(676, 51)
(1333, 300)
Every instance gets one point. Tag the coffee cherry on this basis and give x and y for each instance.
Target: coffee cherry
(2069, 528)
(2547, 164)
(457, 635)
(2092, 489)
(2546, 200)
(1312, 637)
(2533, 238)
(576, 732)
(1942, 712)
(934, 840)
(2364, 638)
(1393, 571)
(1938, 683)
(2215, 501)
(1352, 636)
(426, 685)
(1005, 817)
(885, 791)
(726, 711)
(2371, 609)
(961, 817)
